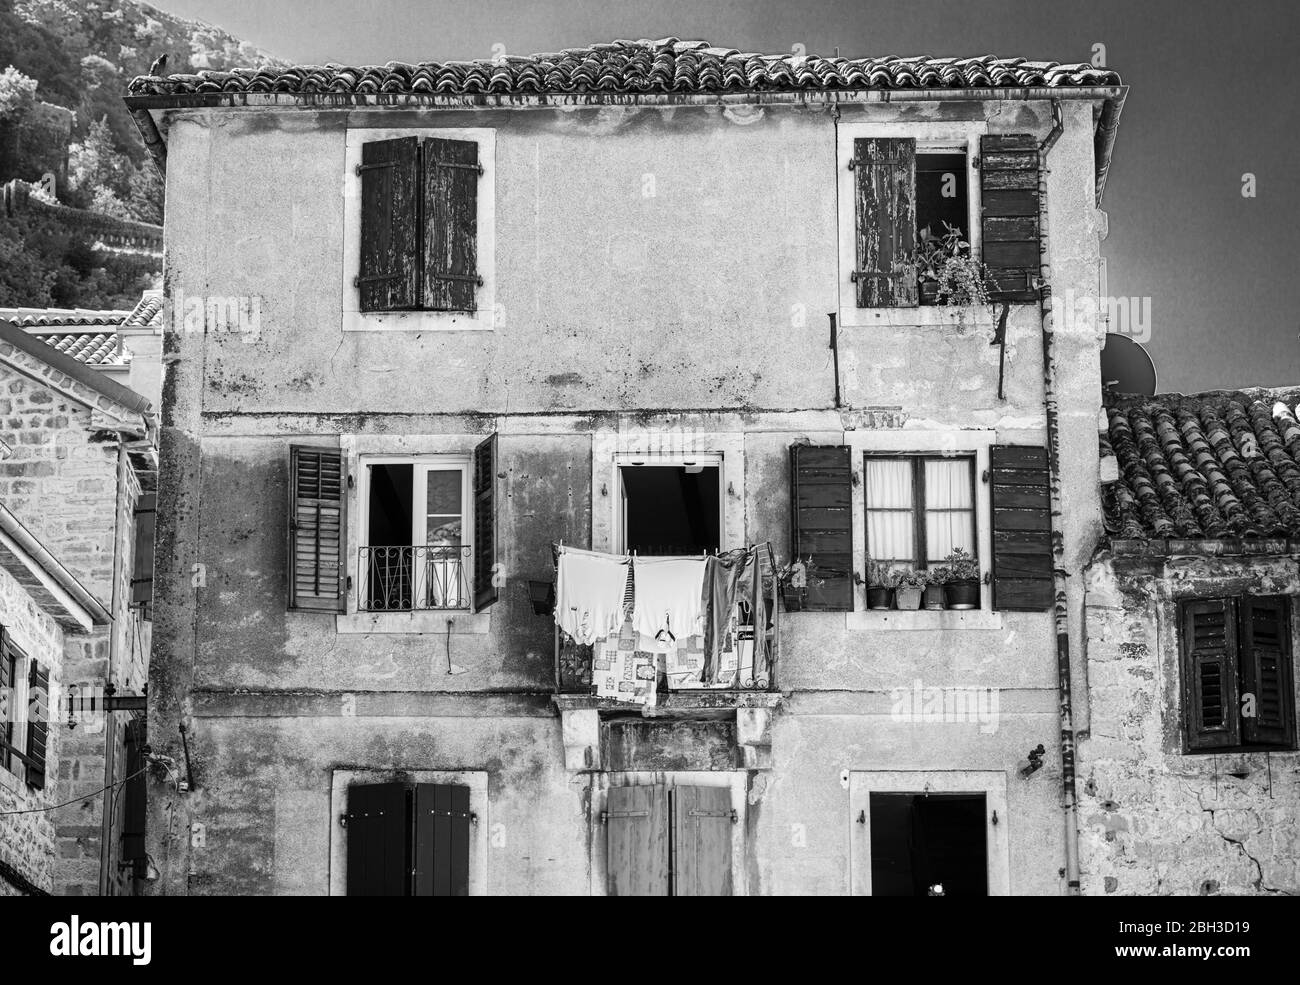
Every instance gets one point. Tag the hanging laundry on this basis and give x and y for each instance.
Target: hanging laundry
(589, 593)
(624, 672)
(728, 580)
(668, 598)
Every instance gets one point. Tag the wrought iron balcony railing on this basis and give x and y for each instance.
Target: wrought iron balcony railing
(405, 579)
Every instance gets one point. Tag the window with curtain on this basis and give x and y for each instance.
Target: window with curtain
(919, 508)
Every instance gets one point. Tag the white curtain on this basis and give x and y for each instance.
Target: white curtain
(950, 508)
(889, 487)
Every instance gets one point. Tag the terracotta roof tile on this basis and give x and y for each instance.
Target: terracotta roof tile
(631, 67)
(1206, 466)
(97, 349)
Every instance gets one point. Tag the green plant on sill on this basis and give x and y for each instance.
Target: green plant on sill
(881, 575)
(936, 576)
(960, 566)
(911, 578)
(946, 260)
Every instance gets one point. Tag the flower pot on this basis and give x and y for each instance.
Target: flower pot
(929, 292)
(962, 594)
(908, 597)
(792, 600)
(932, 598)
(879, 598)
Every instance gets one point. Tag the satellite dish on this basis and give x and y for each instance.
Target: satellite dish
(1126, 367)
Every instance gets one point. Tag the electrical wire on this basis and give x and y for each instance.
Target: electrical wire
(76, 800)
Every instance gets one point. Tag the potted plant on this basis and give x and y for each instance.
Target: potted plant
(907, 591)
(932, 597)
(946, 272)
(793, 579)
(880, 585)
(961, 590)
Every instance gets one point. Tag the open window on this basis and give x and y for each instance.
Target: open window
(670, 507)
(417, 534)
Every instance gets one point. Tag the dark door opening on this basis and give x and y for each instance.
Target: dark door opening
(920, 842)
(671, 510)
(387, 561)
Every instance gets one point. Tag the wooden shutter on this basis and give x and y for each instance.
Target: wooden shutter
(821, 524)
(8, 711)
(451, 176)
(885, 172)
(134, 801)
(441, 834)
(317, 522)
(1266, 671)
(1022, 529)
(1009, 205)
(485, 523)
(1210, 706)
(636, 840)
(142, 556)
(38, 716)
(378, 840)
(701, 841)
(390, 277)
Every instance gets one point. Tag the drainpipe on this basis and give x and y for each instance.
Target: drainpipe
(1069, 802)
(110, 718)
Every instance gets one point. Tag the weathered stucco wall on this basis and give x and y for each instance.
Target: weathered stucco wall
(1155, 820)
(707, 297)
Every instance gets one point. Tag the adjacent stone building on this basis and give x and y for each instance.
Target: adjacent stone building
(1190, 778)
(78, 472)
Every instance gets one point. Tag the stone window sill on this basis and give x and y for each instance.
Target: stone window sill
(921, 620)
(482, 320)
(957, 317)
(415, 623)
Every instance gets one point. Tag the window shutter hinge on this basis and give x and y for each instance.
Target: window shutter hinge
(984, 476)
(349, 585)
(988, 577)
(853, 163)
(351, 483)
(975, 162)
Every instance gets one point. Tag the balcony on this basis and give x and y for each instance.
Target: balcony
(750, 668)
(414, 578)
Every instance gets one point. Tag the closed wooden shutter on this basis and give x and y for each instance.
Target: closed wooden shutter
(378, 840)
(821, 523)
(1009, 205)
(702, 829)
(146, 509)
(636, 839)
(38, 716)
(390, 276)
(134, 801)
(8, 711)
(885, 180)
(1266, 671)
(1022, 529)
(441, 823)
(485, 523)
(1210, 705)
(451, 176)
(317, 521)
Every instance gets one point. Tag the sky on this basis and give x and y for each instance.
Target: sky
(1211, 115)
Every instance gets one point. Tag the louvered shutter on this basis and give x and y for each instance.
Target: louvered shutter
(378, 840)
(451, 175)
(8, 712)
(441, 823)
(317, 521)
(821, 523)
(485, 523)
(702, 841)
(134, 801)
(390, 271)
(885, 181)
(38, 716)
(142, 555)
(1009, 205)
(1210, 704)
(1022, 529)
(1266, 671)
(636, 840)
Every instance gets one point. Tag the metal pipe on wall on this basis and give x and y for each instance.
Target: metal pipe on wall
(110, 718)
(1069, 800)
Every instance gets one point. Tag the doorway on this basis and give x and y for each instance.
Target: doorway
(928, 845)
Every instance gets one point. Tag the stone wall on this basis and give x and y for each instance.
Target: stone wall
(1153, 819)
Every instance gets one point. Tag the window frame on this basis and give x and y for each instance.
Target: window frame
(1186, 684)
(483, 318)
(919, 509)
(950, 137)
(421, 465)
(13, 739)
(632, 460)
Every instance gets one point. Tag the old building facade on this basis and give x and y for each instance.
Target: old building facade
(432, 327)
(79, 472)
